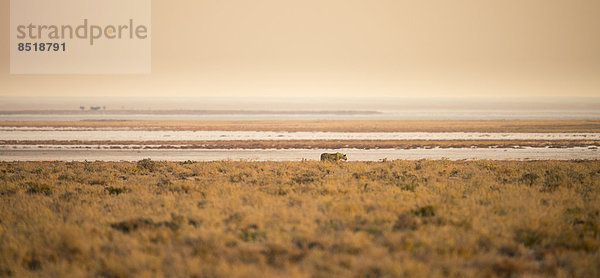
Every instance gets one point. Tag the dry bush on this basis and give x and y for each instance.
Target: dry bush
(298, 219)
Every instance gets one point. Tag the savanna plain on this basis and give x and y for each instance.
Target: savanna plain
(300, 219)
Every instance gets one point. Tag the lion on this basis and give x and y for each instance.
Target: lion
(333, 157)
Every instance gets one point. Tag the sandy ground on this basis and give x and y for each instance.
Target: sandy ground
(334, 125)
(530, 126)
(94, 153)
(323, 144)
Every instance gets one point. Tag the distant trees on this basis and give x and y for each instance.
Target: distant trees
(93, 108)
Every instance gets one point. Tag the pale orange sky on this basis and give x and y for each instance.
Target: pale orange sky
(314, 48)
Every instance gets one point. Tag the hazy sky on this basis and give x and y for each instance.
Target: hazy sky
(313, 48)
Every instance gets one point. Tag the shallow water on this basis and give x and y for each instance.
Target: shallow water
(50, 154)
(86, 134)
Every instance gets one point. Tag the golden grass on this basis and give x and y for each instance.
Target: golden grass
(335, 125)
(300, 219)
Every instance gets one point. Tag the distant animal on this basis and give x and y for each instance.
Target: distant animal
(333, 157)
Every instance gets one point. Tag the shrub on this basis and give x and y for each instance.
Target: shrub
(530, 237)
(424, 211)
(251, 233)
(116, 190)
(553, 179)
(97, 181)
(135, 224)
(147, 164)
(304, 178)
(35, 188)
(529, 178)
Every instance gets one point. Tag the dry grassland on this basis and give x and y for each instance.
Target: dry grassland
(300, 219)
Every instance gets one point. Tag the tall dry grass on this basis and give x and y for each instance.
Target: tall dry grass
(299, 219)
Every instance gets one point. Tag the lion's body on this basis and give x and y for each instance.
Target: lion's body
(333, 157)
